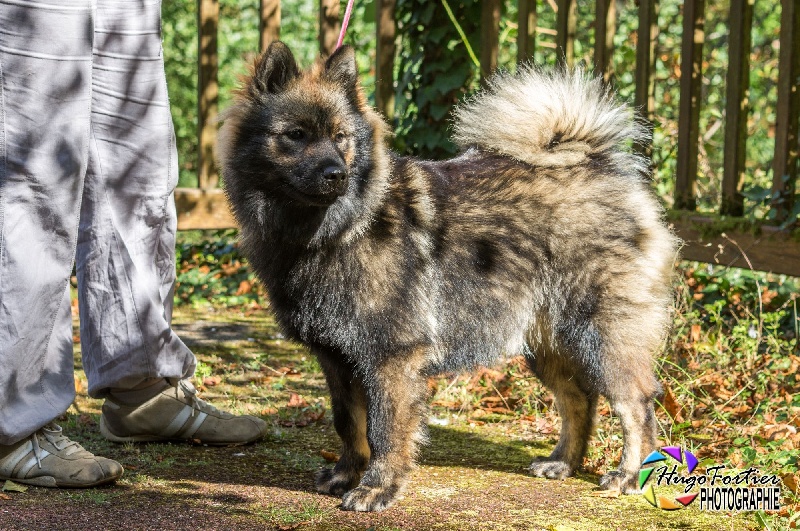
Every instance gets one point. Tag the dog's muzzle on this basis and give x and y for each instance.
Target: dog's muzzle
(335, 177)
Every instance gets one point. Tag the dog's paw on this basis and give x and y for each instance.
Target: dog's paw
(620, 482)
(369, 499)
(550, 468)
(336, 483)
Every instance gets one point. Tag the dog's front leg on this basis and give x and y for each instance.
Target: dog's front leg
(349, 405)
(396, 391)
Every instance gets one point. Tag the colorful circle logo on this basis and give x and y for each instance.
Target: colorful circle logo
(678, 455)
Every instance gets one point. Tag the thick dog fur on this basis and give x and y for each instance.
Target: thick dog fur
(542, 238)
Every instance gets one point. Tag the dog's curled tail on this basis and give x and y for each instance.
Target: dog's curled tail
(547, 118)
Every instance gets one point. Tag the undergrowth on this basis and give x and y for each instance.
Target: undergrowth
(211, 270)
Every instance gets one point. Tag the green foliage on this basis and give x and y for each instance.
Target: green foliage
(211, 270)
(179, 33)
(434, 72)
(237, 44)
(361, 35)
(202, 370)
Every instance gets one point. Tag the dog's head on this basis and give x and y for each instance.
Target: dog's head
(303, 137)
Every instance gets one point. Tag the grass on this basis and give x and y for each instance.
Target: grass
(302, 513)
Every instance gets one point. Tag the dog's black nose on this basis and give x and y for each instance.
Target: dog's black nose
(334, 174)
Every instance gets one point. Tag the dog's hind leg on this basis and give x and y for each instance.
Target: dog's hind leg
(639, 430)
(350, 420)
(396, 392)
(631, 386)
(576, 406)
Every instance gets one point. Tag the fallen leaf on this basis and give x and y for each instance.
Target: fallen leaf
(694, 334)
(330, 457)
(790, 480)
(4, 496)
(10, 486)
(485, 374)
(296, 400)
(544, 426)
(211, 381)
(717, 390)
(671, 405)
(767, 296)
(316, 415)
(245, 286)
(487, 400)
(783, 512)
(476, 413)
(741, 411)
(773, 432)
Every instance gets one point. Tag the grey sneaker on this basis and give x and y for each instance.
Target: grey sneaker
(49, 459)
(177, 414)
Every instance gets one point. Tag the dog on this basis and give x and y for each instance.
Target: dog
(542, 237)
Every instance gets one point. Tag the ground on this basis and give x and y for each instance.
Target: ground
(471, 475)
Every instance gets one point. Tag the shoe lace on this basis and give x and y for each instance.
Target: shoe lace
(54, 434)
(198, 404)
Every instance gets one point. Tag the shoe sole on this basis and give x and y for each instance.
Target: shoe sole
(108, 434)
(51, 482)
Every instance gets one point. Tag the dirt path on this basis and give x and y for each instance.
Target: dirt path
(471, 475)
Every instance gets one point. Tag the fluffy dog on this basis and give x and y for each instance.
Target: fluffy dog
(542, 238)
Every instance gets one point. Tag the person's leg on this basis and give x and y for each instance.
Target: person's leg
(126, 246)
(125, 258)
(45, 69)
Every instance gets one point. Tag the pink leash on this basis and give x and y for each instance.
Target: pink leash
(345, 21)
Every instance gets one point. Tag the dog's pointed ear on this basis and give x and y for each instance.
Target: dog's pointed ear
(341, 68)
(274, 69)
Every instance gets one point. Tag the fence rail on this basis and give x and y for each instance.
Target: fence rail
(766, 248)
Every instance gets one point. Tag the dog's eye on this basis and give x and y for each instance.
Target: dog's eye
(340, 137)
(296, 134)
